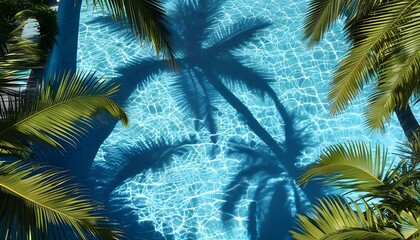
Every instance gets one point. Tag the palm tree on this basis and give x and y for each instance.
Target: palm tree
(39, 202)
(387, 204)
(384, 50)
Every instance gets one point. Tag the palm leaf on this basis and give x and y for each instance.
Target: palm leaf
(48, 24)
(16, 54)
(60, 112)
(355, 13)
(352, 166)
(335, 219)
(320, 17)
(410, 224)
(396, 74)
(361, 61)
(40, 204)
(147, 20)
(395, 87)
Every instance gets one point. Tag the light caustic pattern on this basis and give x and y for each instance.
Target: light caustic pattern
(185, 198)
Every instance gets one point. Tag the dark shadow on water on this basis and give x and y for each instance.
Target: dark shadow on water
(128, 220)
(275, 193)
(124, 164)
(207, 71)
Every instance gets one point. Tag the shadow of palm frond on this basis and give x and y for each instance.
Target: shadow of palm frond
(208, 70)
(206, 61)
(119, 209)
(126, 163)
(275, 197)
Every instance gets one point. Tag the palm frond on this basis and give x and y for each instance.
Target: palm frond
(396, 73)
(333, 218)
(355, 13)
(40, 204)
(16, 55)
(410, 226)
(237, 35)
(395, 87)
(411, 150)
(353, 166)
(147, 20)
(320, 17)
(60, 112)
(364, 58)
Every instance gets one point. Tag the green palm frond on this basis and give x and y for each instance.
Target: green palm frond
(147, 20)
(48, 23)
(320, 17)
(395, 87)
(364, 58)
(355, 13)
(61, 111)
(16, 54)
(410, 224)
(335, 219)
(40, 204)
(396, 73)
(353, 166)
(410, 150)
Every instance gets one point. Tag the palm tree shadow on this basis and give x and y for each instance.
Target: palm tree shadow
(207, 70)
(120, 209)
(205, 58)
(126, 163)
(275, 196)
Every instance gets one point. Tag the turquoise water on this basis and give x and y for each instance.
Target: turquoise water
(184, 199)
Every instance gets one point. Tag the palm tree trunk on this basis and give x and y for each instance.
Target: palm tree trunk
(64, 53)
(407, 121)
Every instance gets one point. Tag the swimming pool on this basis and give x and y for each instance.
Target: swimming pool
(187, 197)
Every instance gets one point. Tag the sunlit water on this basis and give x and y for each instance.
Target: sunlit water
(183, 201)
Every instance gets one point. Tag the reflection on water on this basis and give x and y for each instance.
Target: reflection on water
(194, 164)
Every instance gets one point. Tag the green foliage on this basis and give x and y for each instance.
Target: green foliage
(385, 49)
(39, 204)
(146, 19)
(334, 218)
(18, 54)
(61, 111)
(350, 166)
(48, 24)
(388, 205)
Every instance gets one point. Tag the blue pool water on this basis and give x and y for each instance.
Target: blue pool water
(185, 198)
